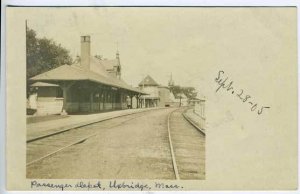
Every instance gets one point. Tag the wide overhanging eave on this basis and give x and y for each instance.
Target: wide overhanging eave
(96, 81)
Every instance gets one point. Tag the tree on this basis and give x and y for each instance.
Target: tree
(175, 90)
(43, 54)
(190, 92)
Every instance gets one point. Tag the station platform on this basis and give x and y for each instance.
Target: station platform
(195, 119)
(41, 127)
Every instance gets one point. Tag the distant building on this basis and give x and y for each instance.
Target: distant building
(171, 82)
(164, 96)
(90, 85)
(149, 86)
(159, 95)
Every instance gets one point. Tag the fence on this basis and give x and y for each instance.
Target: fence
(199, 109)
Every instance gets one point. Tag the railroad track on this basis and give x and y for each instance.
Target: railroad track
(187, 146)
(51, 144)
(186, 143)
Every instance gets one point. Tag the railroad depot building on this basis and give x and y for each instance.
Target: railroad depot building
(89, 85)
(158, 95)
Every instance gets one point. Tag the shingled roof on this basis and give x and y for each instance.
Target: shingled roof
(76, 72)
(109, 64)
(148, 81)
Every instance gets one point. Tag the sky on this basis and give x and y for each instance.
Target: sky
(192, 44)
(156, 42)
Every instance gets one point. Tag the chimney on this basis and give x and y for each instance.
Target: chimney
(85, 52)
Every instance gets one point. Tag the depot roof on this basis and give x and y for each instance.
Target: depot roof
(76, 73)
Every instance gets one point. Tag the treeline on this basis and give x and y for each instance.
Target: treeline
(190, 92)
(43, 54)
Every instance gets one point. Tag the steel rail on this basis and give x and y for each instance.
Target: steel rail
(83, 125)
(78, 141)
(172, 149)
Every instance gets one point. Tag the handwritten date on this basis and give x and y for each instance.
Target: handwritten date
(245, 98)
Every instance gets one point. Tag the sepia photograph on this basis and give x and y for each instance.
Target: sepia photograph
(151, 98)
(104, 98)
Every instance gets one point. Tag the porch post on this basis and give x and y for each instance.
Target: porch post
(104, 99)
(65, 86)
(65, 94)
(91, 101)
(131, 100)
